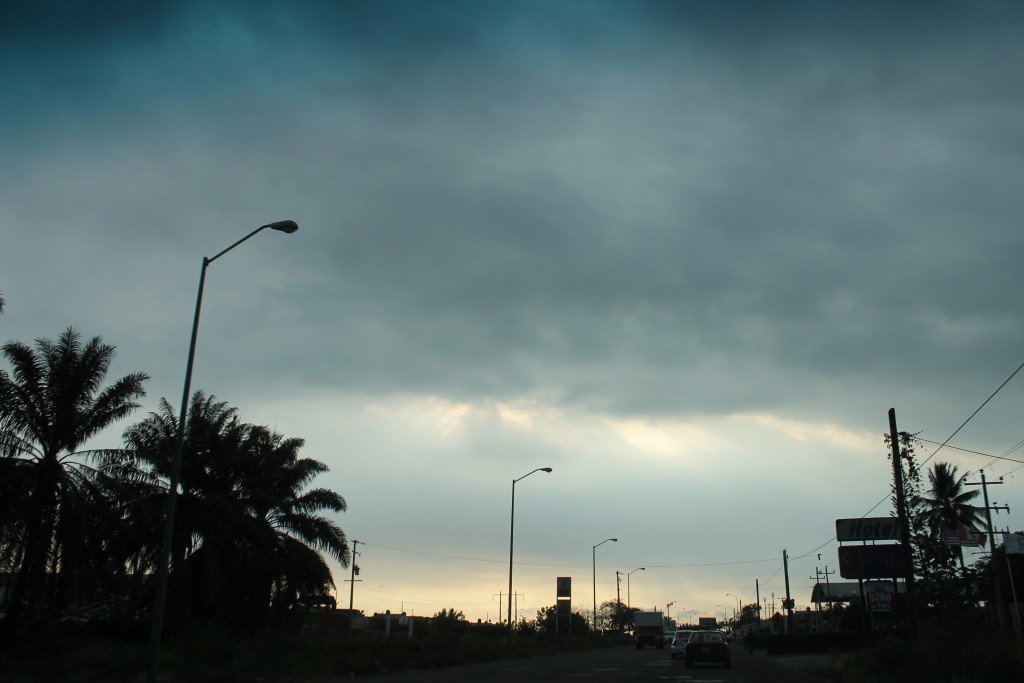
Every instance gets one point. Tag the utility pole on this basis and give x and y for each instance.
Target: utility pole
(499, 594)
(817, 590)
(901, 501)
(757, 591)
(997, 567)
(618, 600)
(789, 602)
(828, 588)
(355, 571)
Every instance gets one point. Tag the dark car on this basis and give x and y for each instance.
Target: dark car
(707, 646)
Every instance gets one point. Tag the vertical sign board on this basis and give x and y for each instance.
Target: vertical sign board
(880, 596)
(563, 603)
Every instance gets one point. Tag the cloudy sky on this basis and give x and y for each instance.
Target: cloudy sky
(687, 254)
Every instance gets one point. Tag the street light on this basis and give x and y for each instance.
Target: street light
(593, 555)
(739, 607)
(287, 227)
(511, 538)
(629, 601)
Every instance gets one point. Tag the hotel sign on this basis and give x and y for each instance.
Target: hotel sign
(873, 561)
(867, 529)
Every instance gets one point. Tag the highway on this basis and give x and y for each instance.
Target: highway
(617, 664)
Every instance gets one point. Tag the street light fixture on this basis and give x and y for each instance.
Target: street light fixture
(739, 606)
(593, 555)
(511, 538)
(287, 227)
(629, 601)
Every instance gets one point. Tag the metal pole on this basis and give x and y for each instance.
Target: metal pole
(593, 564)
(163, 568)
(629, 600)
(593, 558)
(511, 542)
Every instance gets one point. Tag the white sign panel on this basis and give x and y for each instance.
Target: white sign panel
(880, 596)
(867, 529)
(1014, 544)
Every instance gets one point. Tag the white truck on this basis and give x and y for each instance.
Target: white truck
(649, 629)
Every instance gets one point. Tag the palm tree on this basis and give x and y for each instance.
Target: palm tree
(946, 502)
(51, 404)
(247, 534)
(289, 522)
(205, 504)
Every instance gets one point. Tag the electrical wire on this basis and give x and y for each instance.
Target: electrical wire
(1000, 388)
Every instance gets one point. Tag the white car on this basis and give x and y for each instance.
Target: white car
(679, 643)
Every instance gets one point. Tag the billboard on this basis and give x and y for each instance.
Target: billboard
(873, 561)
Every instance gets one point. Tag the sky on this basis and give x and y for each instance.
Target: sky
(688, 254)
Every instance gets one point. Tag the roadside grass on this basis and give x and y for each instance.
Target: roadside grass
(975, 656)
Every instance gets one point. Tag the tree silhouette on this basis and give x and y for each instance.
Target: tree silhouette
(53, 502)
(947, 500)
(246, 534)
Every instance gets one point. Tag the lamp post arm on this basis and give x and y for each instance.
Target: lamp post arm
(214, 258)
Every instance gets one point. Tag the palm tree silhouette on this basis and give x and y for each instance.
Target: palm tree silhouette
(52, 501)
(247, 534)
(947, 503)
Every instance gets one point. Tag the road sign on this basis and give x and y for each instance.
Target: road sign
(868, 529)
(873, 561)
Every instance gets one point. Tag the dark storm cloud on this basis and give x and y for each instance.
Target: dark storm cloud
(602, 201)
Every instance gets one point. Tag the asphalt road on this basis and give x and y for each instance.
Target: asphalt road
(618, 664)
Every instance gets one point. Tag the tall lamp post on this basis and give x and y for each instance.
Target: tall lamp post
(287, 227)
(511, 539)
(739, 607)
(629, 601)
(593, 555)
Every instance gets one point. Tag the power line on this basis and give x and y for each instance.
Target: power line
(987, 455)
(1000, 388)
(944, 443)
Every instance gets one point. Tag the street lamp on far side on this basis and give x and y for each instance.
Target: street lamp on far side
(511, 539)
(629, 601)
(593, 555)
